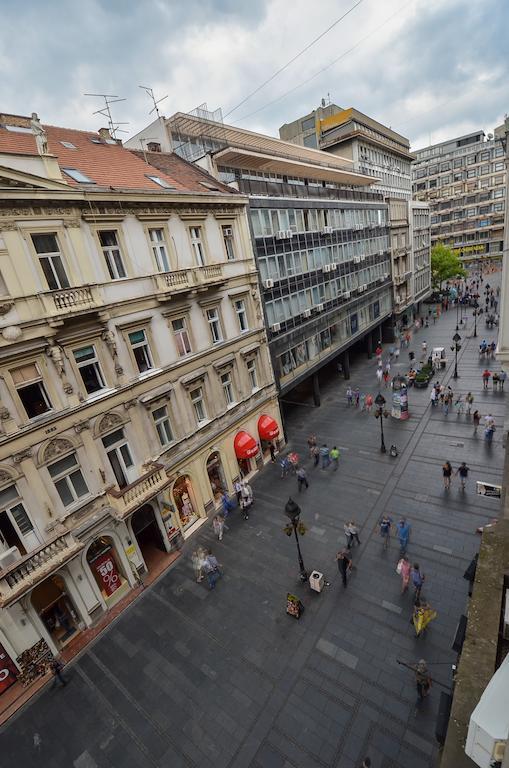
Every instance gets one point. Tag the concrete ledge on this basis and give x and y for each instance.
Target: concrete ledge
(479, 655)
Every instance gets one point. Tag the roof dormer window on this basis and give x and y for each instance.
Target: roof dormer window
(78, 175)
(68, 144)
(160, 181)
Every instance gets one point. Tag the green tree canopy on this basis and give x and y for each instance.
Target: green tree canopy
(444, 265)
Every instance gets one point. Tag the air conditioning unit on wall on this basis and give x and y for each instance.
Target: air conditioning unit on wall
(268, 283)
(276, 327)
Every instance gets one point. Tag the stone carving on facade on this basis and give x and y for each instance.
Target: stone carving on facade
(4, 413)
(72, 223)
(25, 454)
(11, 332)
(41, 138)
(130, 403)
(6, 476)
(81, 425)
(68, 388)
(8, 225)
(109, 421)
(109, 339)
(119, 370)
(55, 448)
(5, 307)
(56, 354)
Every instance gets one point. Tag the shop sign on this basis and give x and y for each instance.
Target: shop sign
(130, 551)
(108, 574)
(8, 670)
(488, 489)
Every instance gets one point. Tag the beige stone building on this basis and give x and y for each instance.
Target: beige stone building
(135, 379)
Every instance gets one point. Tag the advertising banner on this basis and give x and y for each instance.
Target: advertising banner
(108, 575)
(8, 670)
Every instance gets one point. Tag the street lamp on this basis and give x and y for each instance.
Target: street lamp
(475, 313)
(456, 348)
(292, 510)
(380, 413)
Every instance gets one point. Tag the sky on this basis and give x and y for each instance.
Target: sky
(430, 69)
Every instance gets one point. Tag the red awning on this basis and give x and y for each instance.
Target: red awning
(268, 427)
(245, 446)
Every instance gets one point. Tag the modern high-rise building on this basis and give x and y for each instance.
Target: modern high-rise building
(135, 379)
(385, 155)
(320, 235)
(464, 182)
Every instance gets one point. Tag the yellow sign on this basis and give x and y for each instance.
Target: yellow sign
(130, 551)
(469, 249)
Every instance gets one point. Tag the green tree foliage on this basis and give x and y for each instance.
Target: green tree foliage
(444, 265)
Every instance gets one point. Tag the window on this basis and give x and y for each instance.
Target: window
(68, 144)
(240, 309)
(226, 381)
(14, 521)
(181, 336)
(228, 242)
(308, 123)
(141, 350)
(159, 249)
(50, 260)
(78, 175)
(311, 141)
(253, 373)
(68, 479)
(198, 402)
(120, 457)
(112, 254)
(31, 390)
(197, 245)
(163, 427)
(160, 182)
(499, 167)
(89, 368)
(215, 325)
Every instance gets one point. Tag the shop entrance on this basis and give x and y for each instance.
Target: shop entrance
(106, 569)
(148, 535)
(216, 475)
(185, 502)
(56, 610)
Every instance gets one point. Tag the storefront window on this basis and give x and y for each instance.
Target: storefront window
(216, 475)
(184, 501)
(104, 564)
(56, 610)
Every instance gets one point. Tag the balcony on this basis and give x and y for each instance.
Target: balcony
(71, 301)
(167, 284)
(209, 275)
(128, 499)
(23, 575)
(399, 279)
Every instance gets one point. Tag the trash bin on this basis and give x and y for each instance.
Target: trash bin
(316, 581)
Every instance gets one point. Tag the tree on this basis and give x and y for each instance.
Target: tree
(444, 264)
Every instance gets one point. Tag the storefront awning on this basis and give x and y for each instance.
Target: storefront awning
(245, 445)
(268, 428)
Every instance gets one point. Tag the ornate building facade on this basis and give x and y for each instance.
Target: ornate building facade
(135, 379)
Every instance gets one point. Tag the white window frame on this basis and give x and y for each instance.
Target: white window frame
(197, 245)
(113, 256)
(162, 424)
(214, 321)
(199, 405)
(159, 248)
(96, 365)
(228, 389)
(50, 258)
(229, 241)
(37, 380)
(241, 311)
(143, 345)
(180, 335)
(121, 447)
(66, 476)
(252, 371)
(8, 507)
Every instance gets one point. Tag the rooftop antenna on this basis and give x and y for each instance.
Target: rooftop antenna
(106, 112)
(150, 94)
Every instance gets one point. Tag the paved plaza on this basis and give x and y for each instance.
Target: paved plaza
(188, 677)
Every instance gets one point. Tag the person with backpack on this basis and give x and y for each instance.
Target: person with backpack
(385, 529)
(344, 562)
(212, 569)
(334, 456)
(417, 580)
(302, 479)
(463, 471)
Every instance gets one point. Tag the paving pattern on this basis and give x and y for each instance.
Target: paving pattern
(188, 677)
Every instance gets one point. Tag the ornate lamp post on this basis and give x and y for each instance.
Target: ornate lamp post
(292, 510)
(380, 414)
(456, 348)
(475, 313)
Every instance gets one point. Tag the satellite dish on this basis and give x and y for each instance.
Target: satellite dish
(490, 135)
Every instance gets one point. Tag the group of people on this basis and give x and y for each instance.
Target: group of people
(498, 379)
(358, 399)
(462, 472)
(206, 565)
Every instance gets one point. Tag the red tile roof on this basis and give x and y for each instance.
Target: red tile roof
(108, 165)
(181, 170)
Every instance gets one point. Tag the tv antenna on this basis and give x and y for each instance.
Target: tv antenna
(106, 112)
(150, 94)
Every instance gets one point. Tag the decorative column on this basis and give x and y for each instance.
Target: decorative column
(56, 355)
(109, 339)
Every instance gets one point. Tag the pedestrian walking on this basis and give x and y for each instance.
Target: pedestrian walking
(362, 403)
(357, 396)
(433, 397)
(334, 456)
(198, 560)
(388, 365)
(378, 351)
(495, 380)
(423, 614)
(469, 399)
(422, 680)
(458, 405)
(417, 580)
(386, 377)
(324, 455)
(447, 472)
(404, 569)
(218, 526)
(369, 403)
(463, 471)
(349, 396)
(316, 455)
(302, 479)
(56, 668)
(403, 534)
(476, 418)
(272, 449)
(285, 466)
(344, 565)
(502, 376)
(212, 569)
(246, 501)
(237, 487)
(311, 443)
(486, 374)
(379, 375)
(352, 534)
(385, 530)
(227, 504)
(396, 354)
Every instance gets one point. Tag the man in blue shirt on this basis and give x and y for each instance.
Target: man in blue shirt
(403, 534)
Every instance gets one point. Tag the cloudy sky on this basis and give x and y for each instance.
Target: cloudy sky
(430, 69)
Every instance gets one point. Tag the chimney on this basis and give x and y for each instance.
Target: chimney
(104, 133)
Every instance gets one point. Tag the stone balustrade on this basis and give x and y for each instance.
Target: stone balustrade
(126, 500)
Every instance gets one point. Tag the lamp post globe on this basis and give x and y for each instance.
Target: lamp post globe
(380, 403)
(292, 511)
